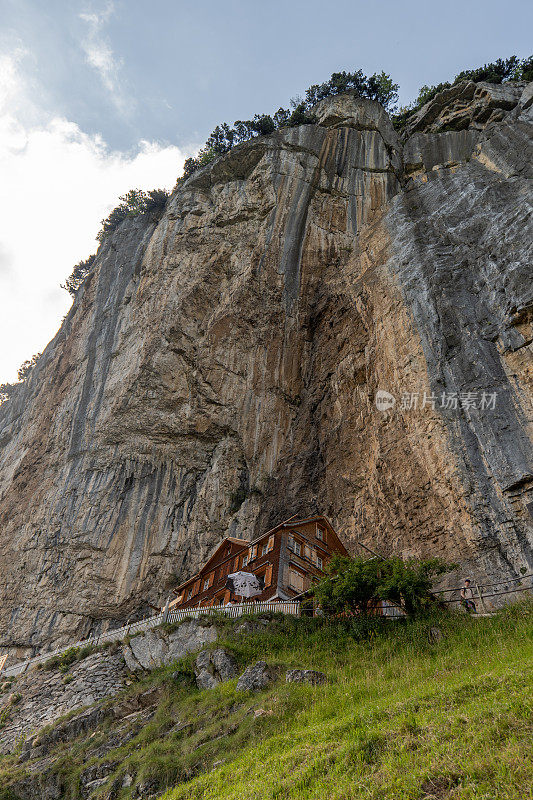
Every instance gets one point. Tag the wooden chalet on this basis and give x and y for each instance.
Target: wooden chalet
(290, 557)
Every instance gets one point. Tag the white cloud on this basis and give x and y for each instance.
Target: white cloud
(57, 184)
(99, 54)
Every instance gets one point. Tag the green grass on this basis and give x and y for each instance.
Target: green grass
(403, 719)
(400, 718)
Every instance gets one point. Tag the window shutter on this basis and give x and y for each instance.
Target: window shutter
(270, 544)
(268, 575)
(235, 563)
(296, 580)
(196, 587)
(211, 578)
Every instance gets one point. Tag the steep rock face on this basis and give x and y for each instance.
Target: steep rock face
(218, 371)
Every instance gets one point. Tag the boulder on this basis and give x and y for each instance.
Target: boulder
(155, 647)
(256, 677)
(213, 667)
(305, 676)
(434, 635)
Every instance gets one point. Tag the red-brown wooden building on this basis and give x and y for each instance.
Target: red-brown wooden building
(289, 558)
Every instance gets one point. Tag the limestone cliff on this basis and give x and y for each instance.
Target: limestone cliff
(218, 370)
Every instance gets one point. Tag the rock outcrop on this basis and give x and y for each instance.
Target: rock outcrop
(213, 667)
(154, 647)
(255, 677)
(44, 696)
(218, 370)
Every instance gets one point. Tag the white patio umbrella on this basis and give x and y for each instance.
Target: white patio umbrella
(245, 584)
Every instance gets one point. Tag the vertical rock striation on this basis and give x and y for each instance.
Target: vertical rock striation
(218, 371)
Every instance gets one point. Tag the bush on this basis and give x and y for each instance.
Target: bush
(354, 584)
(78, 275)
(7, 389)
(134, 203)
(25, 368)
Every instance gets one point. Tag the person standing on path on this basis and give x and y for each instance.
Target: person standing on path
(467, 596)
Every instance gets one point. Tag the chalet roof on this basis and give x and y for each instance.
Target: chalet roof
(291, 522)
(232, 540)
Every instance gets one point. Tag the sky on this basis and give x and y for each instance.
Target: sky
(102, 96)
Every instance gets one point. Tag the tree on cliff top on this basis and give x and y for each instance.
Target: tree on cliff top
(132, 204)
(379, 86)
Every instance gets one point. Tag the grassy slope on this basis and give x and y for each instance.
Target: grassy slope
(401, 718)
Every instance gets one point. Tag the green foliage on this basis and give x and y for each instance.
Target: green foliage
(25, 368)
(6, 391)
(378, 87)
(134, 203)
(499, 71)
(354, 584)
(63, 661)
(78, 275)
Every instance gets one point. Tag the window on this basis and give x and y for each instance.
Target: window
(264, 549)
(291, 543)
(189, 594)
(206, 584)
(245, 560)
(296, 580)
(319, 562)
(253, 552)
(321, 534)
(297, 548)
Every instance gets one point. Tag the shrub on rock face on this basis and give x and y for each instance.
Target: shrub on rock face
(499, 71)
(25, 368)
(78, 275)
(134, 203)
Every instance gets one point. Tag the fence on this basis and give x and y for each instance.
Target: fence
(291, 607)
(288, 607)
(499, 589)
(109, 636)
(280, 606)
